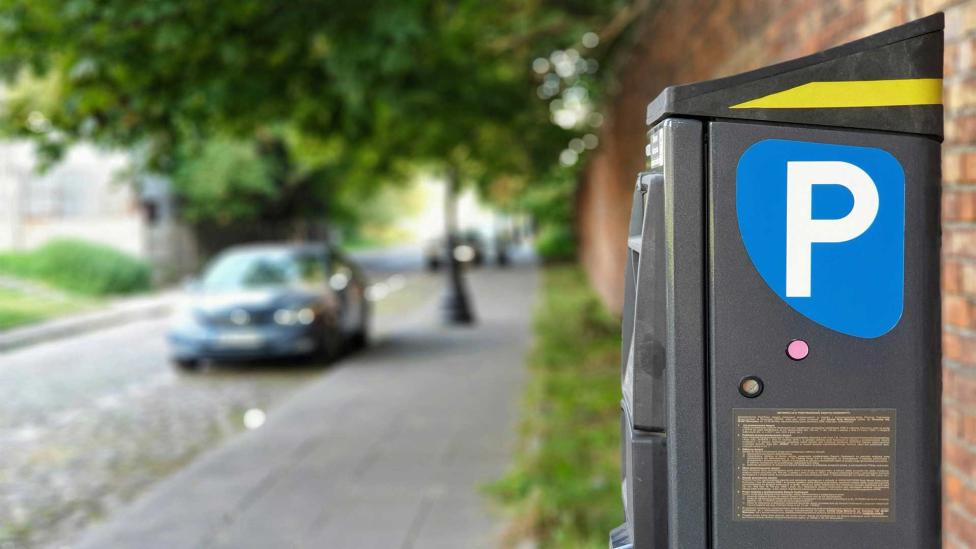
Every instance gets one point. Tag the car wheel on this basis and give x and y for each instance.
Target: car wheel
(360, 339)
(187, 364)
(330, 346)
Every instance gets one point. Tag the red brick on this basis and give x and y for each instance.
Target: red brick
(877, 22)
(931, 6)
(960, 524)
(956, 311)
(952, 422)
(961, 349)
(961, 130)
(950, 59)
(960, 17)
(965, 55)
(969, 430)
(948, 206)
(951, 276)
(959, 457)
(951, 543)
(959, 95)
(969, 167)
(952, 166)
(959, 205)
(960, 387)
(967, 501)
(953, 486)
(952, 347)
(959, 241)
(967, 278)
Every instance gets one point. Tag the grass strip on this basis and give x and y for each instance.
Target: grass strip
(18, 308)
(563, 488)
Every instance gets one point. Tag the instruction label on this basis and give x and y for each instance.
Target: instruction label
(814, 464)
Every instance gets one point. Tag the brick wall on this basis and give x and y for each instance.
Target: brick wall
(688, 40)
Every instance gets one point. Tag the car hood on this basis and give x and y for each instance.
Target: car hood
(217, 303)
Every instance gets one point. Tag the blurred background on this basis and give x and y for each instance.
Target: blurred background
(384, 239)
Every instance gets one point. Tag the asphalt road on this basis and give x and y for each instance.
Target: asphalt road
(88, 423)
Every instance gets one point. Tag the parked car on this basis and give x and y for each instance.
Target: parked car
(271, 300)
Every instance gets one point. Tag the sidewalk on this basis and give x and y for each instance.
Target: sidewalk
(386, 450)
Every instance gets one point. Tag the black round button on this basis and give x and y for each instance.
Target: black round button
(750, 387)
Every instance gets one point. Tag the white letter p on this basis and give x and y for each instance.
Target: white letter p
(802, 230)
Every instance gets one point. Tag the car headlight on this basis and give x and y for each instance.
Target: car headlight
(291, 317)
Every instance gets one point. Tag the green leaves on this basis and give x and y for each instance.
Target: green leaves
(421, 82)
(224, 181)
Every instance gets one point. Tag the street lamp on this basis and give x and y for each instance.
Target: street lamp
(455, 305)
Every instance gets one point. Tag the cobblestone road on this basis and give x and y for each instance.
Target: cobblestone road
(88, 423)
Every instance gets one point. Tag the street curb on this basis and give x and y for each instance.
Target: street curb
(114, 315)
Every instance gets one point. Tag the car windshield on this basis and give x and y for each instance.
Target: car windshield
(248, 270)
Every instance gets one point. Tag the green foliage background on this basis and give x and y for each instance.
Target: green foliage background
(224, 180)
(552, 205)
(252, 103)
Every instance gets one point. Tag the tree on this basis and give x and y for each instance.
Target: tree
(381, 88)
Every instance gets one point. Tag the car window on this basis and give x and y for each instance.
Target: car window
(256, 269)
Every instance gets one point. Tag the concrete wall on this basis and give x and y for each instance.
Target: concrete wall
(77, 198)
(687, 40)
(123, 232)
(82, 197)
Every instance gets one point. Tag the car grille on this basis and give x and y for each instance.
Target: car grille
(231, 319)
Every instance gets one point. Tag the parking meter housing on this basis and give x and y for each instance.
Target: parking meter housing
(780, 366)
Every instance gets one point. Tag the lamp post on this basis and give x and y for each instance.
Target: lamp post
(455, 305)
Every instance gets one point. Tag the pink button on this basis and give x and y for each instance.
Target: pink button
(797, 349)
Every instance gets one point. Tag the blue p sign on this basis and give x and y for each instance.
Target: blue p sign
(825, 227)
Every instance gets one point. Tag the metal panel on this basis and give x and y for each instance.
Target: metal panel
(750, 327)
(664, 355)
(646, 487)
(910, 51)
(683, 142)
(648, 353)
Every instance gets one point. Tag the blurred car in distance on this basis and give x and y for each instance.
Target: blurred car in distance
(271, 300)
(471, 247)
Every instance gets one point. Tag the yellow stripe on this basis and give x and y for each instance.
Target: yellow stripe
(853, 93)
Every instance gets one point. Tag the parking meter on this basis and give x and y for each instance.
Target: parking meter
(781, 333)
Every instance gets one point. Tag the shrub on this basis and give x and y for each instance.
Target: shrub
(81, 267)
(556, 243)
